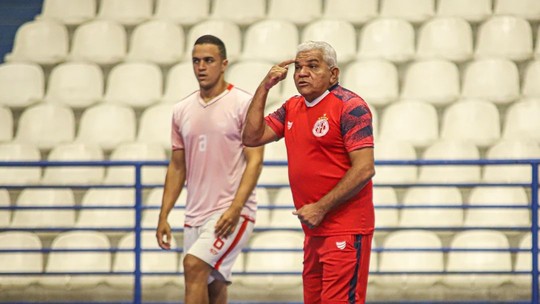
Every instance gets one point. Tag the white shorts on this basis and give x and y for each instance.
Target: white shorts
(219, 253)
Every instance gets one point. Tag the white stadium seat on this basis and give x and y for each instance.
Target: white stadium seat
(434, 80)
(151, 215)
(19, 175)
(183, 12)
(283, 217)
(353, 11)
(531, 79)
(511, 149)
(496, 80)
(386, 217)
(68, 12)
(155, 125)
(471, 120)
(180, 82)
(157, 41)
(126, 12)
(524, 262)
(387, 38)
(450, 150)
(154, 261)
(505, 36)
(498, 217)
(74, 175)
(107, 125)
(20, 261)
(410, 10)
(528, 9)
(289, 261)
(136, 84)
(412, 121)
(241, 12)
(107, 218)
(396, 261)
(432, 216)
(257, 70)
(275, 151)
(100, 41)
(288, 10)
(472, 11)
(394, 150)
(522, 120)
(6, 124)
(40, 218)
(447, 38)
(75, 84)
(271, 40)
(99, 261)
(137, 152)
(42, 42)
(341, 35)
(477, 260)
(375, 80)
(46, 125)
(5, 215)
(21, 84)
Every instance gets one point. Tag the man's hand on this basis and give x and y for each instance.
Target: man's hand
(163, 234)
(226, 224)
(310, 215)
(276, 74)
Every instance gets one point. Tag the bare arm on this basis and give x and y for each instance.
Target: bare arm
(228, 221)
(361, 171)
(174, 182)
(257, 132)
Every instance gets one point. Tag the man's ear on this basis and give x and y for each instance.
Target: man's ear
(335, 75)
(224, 64)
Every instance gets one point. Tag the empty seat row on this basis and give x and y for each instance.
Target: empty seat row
(64, 261)
(106, 42)
(471, 258)
(142, 84)
(441, 207)
(102, 209)
(427, 258)
(455, 149)
(81, 175)
(416, 123)
(445, 207)
(106, 125)
(244, 12)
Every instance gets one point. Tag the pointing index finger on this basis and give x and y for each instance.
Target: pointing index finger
(286, 63)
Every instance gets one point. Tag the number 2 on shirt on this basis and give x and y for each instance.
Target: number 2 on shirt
(202, 143)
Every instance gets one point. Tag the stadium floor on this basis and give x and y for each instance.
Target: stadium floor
(507, 293)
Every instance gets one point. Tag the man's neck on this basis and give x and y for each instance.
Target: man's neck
(211, 93)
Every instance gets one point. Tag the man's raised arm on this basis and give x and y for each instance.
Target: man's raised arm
(256, 131)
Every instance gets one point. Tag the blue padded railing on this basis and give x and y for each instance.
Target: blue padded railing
(138, 187)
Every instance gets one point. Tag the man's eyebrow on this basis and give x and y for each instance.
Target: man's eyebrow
(203, 58)
(315, 60)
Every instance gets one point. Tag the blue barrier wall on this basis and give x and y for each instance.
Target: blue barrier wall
(138, 187)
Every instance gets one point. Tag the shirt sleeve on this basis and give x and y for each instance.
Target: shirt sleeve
(356, 125)
(176, 137)
(276, 120)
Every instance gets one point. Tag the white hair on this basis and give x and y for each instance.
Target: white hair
(328, 52)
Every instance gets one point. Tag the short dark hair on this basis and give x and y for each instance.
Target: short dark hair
(210, 39)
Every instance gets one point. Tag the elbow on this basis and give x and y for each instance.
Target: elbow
(371, 173)
(249, 141)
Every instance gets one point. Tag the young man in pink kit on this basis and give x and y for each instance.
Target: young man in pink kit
(221, 175)
(329, 138)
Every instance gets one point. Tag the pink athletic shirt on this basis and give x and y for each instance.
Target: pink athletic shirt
(211, 135)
